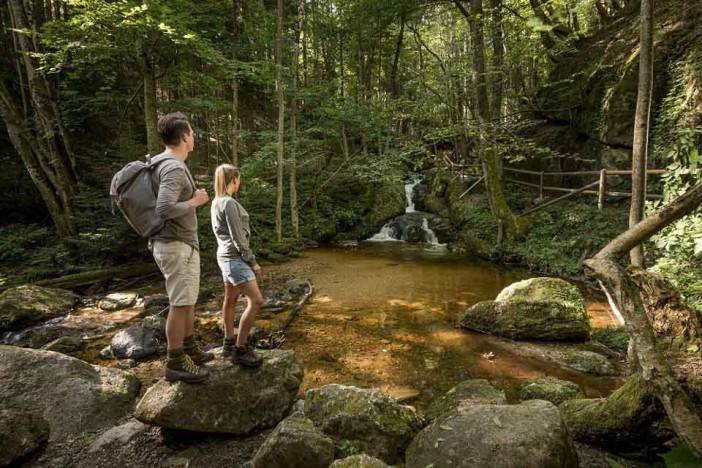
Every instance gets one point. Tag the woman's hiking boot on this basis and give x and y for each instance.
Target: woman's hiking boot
(180, 366)
(246, 356)
(228, 346)
(193, 349)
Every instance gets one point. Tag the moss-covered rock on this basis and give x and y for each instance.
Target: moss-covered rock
(21, 433)
(629, 419)
(66, 344)
(295, 443)
(478, 391)
(550, 389)
(233, 400)
(538, 308)
(359, 461)
(29, 304)
(530, 435)
(362, 421)
(587, 361)
(73, 396)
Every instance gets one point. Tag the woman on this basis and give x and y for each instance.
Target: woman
(230, 223)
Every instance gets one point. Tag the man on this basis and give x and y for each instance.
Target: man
(175, 247)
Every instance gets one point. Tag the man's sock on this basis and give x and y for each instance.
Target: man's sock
(175, 358)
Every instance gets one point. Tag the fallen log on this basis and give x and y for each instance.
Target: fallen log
(89, 277)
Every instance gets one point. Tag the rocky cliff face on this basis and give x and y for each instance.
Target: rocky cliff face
(589, 101)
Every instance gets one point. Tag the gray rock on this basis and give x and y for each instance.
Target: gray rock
(587, 361)
(66, 345)
(296, 287)
(233, 400)
(549, 309)
(298, 409)
(530, 435)
(106, 353)
(156, 304)
(363, 420)
(550, 389)
(135, 342)
(26, 305)
(21, 433)
(478, 391)
(118, 435)
(157, 324)
(295, 443)
(117, 301)
(73, 396)
(359, 461)
(126, 363)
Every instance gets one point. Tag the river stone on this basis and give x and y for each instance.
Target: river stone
(135, 342)
(529, 435)
(26, 305)
(21, 433)
(157, 324)
(549, 309)
(295, 443)
(118, 435)
(65, 344)
(117, 301)
(359, 461)
(73, 396)
(363, 420)
(550, 389)
(478, 391)
(588, 361)
(155, 304)
(233, 400)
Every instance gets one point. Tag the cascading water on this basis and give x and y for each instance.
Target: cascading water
(413, 226)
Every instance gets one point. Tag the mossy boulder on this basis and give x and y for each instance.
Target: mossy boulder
(21, 433)
(66, 344)
(361, 420)
(550, 389)
(529, 435)
(629, 419)
(359, 461)
(478, 391)
(73, 396)
(548, 309)
(588, 361)
(26, 305)
(233, 400)
(295, 443)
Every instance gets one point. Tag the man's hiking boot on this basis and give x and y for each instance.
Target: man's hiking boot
(246, 356)
(193, 349)
(183, 368)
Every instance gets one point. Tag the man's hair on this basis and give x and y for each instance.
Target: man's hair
(172, 127)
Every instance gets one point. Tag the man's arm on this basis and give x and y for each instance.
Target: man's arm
(172, 184)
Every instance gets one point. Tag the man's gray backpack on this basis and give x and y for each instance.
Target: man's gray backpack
(134, 192)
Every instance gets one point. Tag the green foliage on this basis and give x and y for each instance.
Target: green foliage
(615, 338)
(681, 456)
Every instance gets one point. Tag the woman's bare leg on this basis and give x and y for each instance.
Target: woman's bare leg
(231, 296)
(255, 302)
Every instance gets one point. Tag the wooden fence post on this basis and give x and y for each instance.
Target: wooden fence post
(541, 185)
(602, 190)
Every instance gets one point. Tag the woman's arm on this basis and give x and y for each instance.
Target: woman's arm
(236, 229)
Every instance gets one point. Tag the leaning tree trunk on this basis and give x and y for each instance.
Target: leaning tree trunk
(281, 122)
(294, 213)
(641, 125)
(236, 43)
(625, 287)
(507, 221)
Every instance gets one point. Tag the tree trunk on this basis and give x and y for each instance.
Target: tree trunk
(394, 86)
(294, 214)
(153, 143)
(497, 58)
(236, 43)
(626, 293)
(507, 221)
(281, 121)
(641, 126)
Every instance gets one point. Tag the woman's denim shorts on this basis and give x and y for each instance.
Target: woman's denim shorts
(236, 271)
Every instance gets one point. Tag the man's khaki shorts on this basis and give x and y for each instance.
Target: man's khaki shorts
(180, 265)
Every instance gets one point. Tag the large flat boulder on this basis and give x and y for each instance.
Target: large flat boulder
(362, 420)
(233, 400)
(72, 395)
(21, 433)
(549, 309)
(27, 305)
(295, 443)
(529, 435)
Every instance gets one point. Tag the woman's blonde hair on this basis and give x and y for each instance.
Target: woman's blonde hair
(224, 175)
